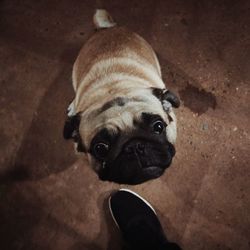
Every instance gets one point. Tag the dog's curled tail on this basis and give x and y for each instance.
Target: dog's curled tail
(102, 19)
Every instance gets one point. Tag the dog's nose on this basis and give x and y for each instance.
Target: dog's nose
(135, 147)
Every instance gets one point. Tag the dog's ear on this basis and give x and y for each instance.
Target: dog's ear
(71, 127)
(71, 131)
(165, 95)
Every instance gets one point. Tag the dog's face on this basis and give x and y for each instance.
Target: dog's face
(128, 140)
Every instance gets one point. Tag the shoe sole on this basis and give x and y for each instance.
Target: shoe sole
(137, 195)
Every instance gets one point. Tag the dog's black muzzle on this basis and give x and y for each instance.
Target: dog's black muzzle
(139, 161)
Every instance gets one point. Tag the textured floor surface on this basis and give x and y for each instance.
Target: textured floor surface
(51, 199)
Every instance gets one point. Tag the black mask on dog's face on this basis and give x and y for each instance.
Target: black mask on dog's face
(134, 157)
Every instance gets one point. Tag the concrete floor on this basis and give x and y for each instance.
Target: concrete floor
(51, 199)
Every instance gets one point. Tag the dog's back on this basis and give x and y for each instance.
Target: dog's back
(111, 57)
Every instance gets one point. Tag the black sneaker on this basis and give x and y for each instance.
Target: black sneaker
(138, 222)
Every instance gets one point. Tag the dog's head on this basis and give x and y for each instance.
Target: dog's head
(128, 139)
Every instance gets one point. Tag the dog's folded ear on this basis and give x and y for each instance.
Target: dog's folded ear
(166, 95)
(71, 131)
(71, 127)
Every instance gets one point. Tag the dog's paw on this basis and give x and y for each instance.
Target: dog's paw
(167, 106)
(71, 109)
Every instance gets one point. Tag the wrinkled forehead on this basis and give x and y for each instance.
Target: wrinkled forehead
(120, 117)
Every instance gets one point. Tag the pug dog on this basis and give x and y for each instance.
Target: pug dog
(122, 115)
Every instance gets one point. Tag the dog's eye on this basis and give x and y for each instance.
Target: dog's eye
(101, 150)
(158, 127)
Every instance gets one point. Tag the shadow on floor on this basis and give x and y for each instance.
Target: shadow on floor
(43, 150)
(25, 220)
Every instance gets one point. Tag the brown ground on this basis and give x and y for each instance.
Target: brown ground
(52, 199)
